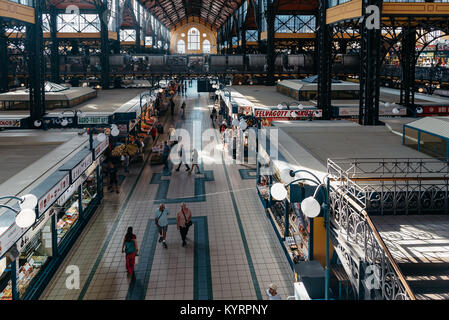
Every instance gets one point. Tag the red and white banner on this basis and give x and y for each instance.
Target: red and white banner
(287, 114)
(9, 123)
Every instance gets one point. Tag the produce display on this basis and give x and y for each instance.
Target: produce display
(66, 222)
(28, 271)
(6, 294)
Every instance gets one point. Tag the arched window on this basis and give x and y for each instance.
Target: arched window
(181, 46)
(206, 46)
(193, 39)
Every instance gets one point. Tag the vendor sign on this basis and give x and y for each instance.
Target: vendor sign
(9, 123)
(51, 196)
(288, 114)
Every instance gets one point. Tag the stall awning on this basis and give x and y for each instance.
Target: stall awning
(438, 126)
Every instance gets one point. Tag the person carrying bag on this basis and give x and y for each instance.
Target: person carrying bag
(130, 248)
(184, 222)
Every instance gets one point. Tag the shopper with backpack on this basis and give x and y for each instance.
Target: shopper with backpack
(130, 248)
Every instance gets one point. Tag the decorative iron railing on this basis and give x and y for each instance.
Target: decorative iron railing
(395, 186)
(350, 203)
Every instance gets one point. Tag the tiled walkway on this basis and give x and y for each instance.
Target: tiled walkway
(232, 251)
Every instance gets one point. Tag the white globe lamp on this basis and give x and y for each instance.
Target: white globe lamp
(115, 132)
(29, 201)
(311, 207)
(25, 218)
(278, 191)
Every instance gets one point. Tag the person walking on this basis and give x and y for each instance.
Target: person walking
(181, 153)
(125, 162)
(195, 161)
(154, 133)
(183, 108)
(172, 106)
(272, 292)
(161, 220)
(129, 247)
(184, 222)
(113, 178)
(165, 154)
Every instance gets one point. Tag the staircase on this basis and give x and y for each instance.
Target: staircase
(428, 281)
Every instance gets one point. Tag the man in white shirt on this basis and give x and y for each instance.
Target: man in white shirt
(272, 293)
(161, 220)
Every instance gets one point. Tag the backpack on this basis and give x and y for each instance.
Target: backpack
(129, 247)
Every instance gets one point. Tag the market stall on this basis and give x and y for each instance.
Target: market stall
(66, 201)
(294, 230)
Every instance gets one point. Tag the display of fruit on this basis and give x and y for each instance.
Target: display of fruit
(118, 151)
(131, 149)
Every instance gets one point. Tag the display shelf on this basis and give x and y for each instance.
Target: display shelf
(6, 294)
(29, 271)
(265, 201)
(66, 222)
(280, 231)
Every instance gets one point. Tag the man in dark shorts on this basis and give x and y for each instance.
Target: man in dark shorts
(161, 220)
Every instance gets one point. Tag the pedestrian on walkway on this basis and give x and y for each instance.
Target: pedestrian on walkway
(182, 155)
(184, 222)
(172, 106)
(165, 154)
(161, 220)
(125, 162)
(183, 108)
(154, 133)
(272, 292)
(195, 161)
(130, 248)
(113, 177)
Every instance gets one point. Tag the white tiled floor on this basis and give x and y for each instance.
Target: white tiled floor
(172, 275)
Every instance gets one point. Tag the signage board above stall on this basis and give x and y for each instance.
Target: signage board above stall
(9, 123)
(93, 119)
(288, 114)
(51, 196)
(55, 121)
(81, 167)
(100, 148)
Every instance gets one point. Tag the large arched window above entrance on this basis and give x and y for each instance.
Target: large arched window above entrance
(206, 46)
(193, 39)
(181, 46)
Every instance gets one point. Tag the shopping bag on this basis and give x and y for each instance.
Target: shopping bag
(136, 260)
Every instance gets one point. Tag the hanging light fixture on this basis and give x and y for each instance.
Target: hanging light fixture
(25, 218)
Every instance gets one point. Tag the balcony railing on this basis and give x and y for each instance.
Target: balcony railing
(364, 187)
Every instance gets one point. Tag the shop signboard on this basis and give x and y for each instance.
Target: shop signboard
(9, 123)
(287, 114)
(9, 238)
(100, 148)
(93, 119)
(81, 167)
(51, 196)
(354, 111)
(435, 110)
(55, 121)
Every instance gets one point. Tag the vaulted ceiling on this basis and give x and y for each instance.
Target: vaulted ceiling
(171, 12)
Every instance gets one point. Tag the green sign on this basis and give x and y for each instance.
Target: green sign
(93, 120)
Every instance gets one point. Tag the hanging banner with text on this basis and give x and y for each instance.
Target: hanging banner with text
(288, 114)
